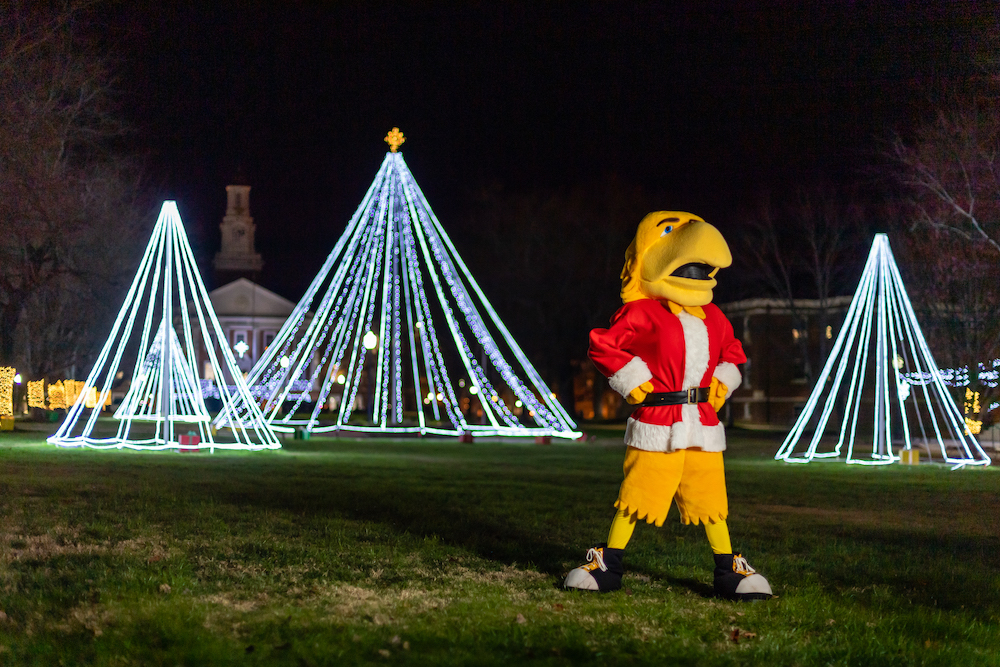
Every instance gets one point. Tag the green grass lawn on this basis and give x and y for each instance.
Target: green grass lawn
(341, 552)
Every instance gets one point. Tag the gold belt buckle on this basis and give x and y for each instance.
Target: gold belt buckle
(692, 395)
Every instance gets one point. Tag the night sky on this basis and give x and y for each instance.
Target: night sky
(704, 105)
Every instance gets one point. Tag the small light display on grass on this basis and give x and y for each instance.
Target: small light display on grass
(36, 394)
(391, 325)
(7, 391)
(163, 397)
(57, 395)
(881, 347)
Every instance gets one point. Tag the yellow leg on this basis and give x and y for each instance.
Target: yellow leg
(718, 537)
(621, 530)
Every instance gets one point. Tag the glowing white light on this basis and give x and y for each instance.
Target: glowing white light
(164, 390)
(903, 389)
(241, 348)
(881, 312)
(518, 404)
(393, 306)
(284, 362)
(17, 378)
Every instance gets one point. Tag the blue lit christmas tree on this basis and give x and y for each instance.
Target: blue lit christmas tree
(394, 335)
(892, 371)
(165, 398)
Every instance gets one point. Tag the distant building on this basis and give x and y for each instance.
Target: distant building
(250, 315)
(785, 354)
(237, 257)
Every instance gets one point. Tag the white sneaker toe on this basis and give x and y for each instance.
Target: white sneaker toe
(582, 580)
(754, 583)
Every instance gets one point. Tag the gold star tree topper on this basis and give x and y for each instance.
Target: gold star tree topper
(395, 139)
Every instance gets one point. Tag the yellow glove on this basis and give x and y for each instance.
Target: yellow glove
(638, 395)
(717, 394)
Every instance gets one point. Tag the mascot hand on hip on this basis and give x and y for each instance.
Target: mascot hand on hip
(672, 353)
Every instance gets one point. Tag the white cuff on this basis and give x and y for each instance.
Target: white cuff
(630, 376)
(729, 375)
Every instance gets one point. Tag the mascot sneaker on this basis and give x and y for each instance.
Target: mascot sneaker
(736, 580)
(603, 571)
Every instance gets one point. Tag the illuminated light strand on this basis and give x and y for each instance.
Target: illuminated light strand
(278, 377)
(882, 310)
(395, 273)
(163, 388)
(526, 365)
(7, 391)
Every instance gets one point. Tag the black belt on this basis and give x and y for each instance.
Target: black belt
(688, 396)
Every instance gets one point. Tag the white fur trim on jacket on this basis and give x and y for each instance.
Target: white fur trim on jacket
(689, 431)
(630, 376)
(728, 375)
(679, 435)
(695, 349)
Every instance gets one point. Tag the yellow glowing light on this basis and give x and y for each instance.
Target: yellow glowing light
(90, 401)
(36, 394)
(73, 389)
(7, 375)
(829, 332)
(57, 396)
(440, 396)
(395, 139)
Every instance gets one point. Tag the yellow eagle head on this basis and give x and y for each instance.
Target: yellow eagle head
(674, 256)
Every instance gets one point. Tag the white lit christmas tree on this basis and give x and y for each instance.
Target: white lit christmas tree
(892, 373)
(165, 398)
(394, 335)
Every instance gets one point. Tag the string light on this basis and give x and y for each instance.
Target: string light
(881, 312)
(164, 389)
(392, 302)
(7, 375)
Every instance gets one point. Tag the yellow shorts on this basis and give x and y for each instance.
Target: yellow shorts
(695, 479)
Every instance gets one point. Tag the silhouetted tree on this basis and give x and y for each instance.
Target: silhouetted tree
(806, 247)
(68, 200)
(551, 261)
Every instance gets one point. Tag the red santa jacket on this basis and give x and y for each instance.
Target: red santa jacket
(647, 342)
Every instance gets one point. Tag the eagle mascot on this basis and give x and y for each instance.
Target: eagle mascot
(672, 353)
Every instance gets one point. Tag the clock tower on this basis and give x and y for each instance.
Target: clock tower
(237, 258)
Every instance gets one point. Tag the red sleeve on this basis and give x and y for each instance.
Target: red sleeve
(732, 348)
(611, 349)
